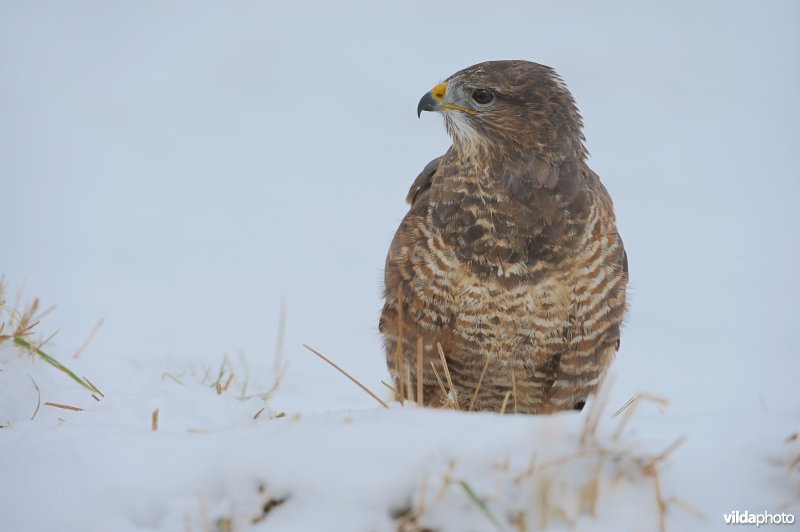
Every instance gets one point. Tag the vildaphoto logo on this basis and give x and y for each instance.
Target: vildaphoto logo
(764, 518)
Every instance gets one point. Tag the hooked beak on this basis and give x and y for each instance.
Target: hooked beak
(432, 100)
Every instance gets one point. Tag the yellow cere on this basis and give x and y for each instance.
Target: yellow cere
(439, 91)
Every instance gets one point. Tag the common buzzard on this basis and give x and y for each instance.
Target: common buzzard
(508, 262)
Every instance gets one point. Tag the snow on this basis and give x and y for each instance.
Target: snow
(209, 460)
(177, 169)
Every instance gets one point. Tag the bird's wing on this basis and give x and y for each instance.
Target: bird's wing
(607, 207)
(423, 180)
(596, 186)
(617, 259)
(408, 235)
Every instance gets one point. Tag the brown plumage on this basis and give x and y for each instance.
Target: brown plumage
(509, 256)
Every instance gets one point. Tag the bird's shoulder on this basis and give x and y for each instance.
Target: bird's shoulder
(423, 181)
(598, 190)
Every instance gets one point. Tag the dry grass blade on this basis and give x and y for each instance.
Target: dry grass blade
(26, 320)
(420, 373)
(89, 338)
(343, 372)
(398, 352)
(48, 339)
(64, 407)
(628, 403)
(276, 382)
(527, 473)
(591, 491)
(657, 399)
(505, 402)
(154, 420)
(399, 372)
(446, 480)
(38, 397)
(255, 417)
(683, 503)
(391, 388)
(95, 388)
(423, 491)
(39, 317)
(630, 407)
(478, 387)
(662, 504)
(596, 410)
(520, 522)
(447, 375)
(439, 380)
(171, 376)
(514, 388)
(409, 388)
(558, 462)
(653, 462)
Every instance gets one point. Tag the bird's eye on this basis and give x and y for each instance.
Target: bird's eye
(482, 96)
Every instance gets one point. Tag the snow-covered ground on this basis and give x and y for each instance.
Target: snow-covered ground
(179, 168)
(229, 459)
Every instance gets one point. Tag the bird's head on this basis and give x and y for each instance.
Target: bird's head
(506, 108)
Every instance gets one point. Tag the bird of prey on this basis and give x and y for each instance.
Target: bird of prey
(507, 274)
